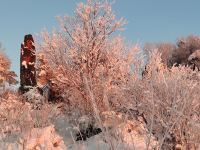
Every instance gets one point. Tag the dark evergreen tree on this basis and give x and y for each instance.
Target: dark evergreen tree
(27, 64)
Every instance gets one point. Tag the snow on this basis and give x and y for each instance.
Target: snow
(33, 96)
(46, 138)
(24, 63)
(124, 136)
(31, 63)
(119, 133)
(42, 73)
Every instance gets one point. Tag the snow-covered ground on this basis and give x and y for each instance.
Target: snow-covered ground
(21, 130)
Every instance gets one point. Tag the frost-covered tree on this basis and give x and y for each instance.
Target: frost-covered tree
(166, 50)
(175, 54)
(85, 56)
(185, 47)
(194, 59)
(6, 76)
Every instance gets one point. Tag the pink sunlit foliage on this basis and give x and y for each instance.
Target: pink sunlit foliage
(6, 76)
(175, 54)
(86, 46)
(168, 98)
(95, 73)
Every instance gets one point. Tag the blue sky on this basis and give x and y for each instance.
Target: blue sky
(148, 20)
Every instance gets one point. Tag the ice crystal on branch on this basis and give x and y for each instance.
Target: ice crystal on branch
(86, 46)
(6, 76)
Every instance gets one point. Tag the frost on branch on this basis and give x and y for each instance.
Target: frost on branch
(33, 95)
(6, 76)
(175, 54)
(85, 46)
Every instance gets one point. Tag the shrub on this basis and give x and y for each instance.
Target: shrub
(87, 57)
(169, 102)
(175, 54)
(6, 76)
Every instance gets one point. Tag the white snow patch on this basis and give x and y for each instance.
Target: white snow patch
(31, 63)
(24, 63)
(42, 73)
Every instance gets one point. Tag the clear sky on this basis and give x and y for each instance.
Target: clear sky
(148, 20)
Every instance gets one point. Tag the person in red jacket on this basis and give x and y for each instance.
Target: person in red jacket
(27, 64)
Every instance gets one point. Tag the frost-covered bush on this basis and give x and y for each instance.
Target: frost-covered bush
(18, 119)
(94, 70)
(168, 100)
(88, 59)
(166, 50)
(175, 53)
(35, 97)
(6, 76)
